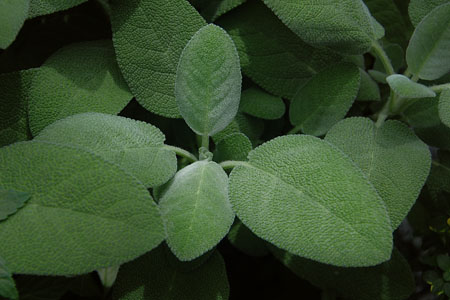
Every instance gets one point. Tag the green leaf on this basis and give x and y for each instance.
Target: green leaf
(260, 104)
(368, 88)
(325, 99)
(10, 201)
(135, 146)
(407, 88)
(78, 78)
(393, 159)
(45, 7)
(342, 25)
(390, 280)
(270, 54)
(153, 276)
(7, 286)
(235, 146)
(14, 93)
(444, 107)
(323, 209)
(84, 213)
(396, 56)
(443, 262)
(243, 239)
(12, 16)
(208, 82)
(149, 37)
(427, 54)
(195, 209)
(378, 76)
(418, 9)
(213, 9)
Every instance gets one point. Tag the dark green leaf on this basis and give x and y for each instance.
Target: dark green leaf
(418, 9)
(260, 104)
(12, 16)
(444, 107)
(368, 88)
(10, 201)
(213, 9)
(443, 262)
(406, 88)
(235, 146)
(45, 7)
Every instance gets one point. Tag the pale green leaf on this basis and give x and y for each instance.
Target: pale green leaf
(45, 7)
(270, 54)
(195, 209)
(406, 88)
(368, 88)
(135, 146)
(260, 104)
(243, 239)
(156, 275)
(84, 213)
(378, 76)
(391, 280)
(208, 82)
(10, 201)
(325, 99)
(393, 159)
(7, 285)
(342, 25)
(250, 126)
(78, 78)
(444, 107)
(12, 16)
(213, 9)
(324, 208)
(418, 9)
(149, 36)
(235, 146)
(428, 54)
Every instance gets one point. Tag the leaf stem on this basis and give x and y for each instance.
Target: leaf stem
(295, 130)
(230, 164)
(440, 87)
(205, 141)
(181, 152)
(379, 51)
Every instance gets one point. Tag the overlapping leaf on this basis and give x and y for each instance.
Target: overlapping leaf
(260, 104)
(45, 7)
(213, 9)
(444, 107)
(13, 14)
(235, 146)
(407, 88)
(418, 9)
(10, 201)
(368, 88)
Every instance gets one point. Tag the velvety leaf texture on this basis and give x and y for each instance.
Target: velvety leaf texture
(427, 54)
(208, 82)
(149, 36)
(271, 54)
(393, 159)
(260, 104)
(307, 197)
(243, 239)
(444, 107)
(153, 276)
(11, 201)
(235, 146)
(7, 286)
(325, 99)
(407, 88)
(135, 146)
(12, 16)
(78, 78)
(84, 213)
(391, 280)
(368, 88)
(342, 25)
(195, 209)
(418, 9)
(45, 7)
(215, 8)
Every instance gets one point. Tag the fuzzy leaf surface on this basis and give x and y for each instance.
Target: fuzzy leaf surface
(46, 7)
(10, 201)
(368, 88)
(213, 9)
(13, 14)
(7, 285)
(406, 88)
(418, 9)
(84, 213)
(300, 208)
(444, 107)
(235, 146)
(260, 104)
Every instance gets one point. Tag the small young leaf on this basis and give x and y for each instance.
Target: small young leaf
(418, 9)
(153, 276)
(368, 88)
(407, 88)
(195, 209)
(46, 7)
(208, 82)
(7, 286)
(84, 213)
(427, 54)
(378, 76)
(260, 104)
(325, 99)
(78, 78)
(344, 25)
(243, 239)
(11, 201)
(444, 107)
(149, 37)
(135, 146)
(12, 16)
(235, 146)
(393, 159)
(324, 208)
(213, 9)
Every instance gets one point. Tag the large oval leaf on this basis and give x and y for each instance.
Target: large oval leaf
(84, 213)
(394, 160)
(418, 9)
(135, 146)
(13, 14)
(195, 209)
(307, 197)
(149, 36)
(208, 83)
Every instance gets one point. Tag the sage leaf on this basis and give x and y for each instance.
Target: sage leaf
(195, 209)
(325, 99)
(368, 88)
(396, 55)
(407, 88)
(393, 159)
(84, 213)
(418, 9)
(243, 239)
(11, 201)
(156, 275)
(346, 26)
(135, 146)
(46, 7)
(78, 78)
(378, 76)
(444, 107)
(300, 208)
(213, 9)
(208, 82)
(149, 36)
(260, 104)
(427, 54)
(235, 146)
(12, 16)
(7, 285)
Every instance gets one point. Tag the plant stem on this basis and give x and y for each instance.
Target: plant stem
(440, 87)
(295, 130)
(181, 152)
(379, 51)
(230, 164)
(205, 141)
